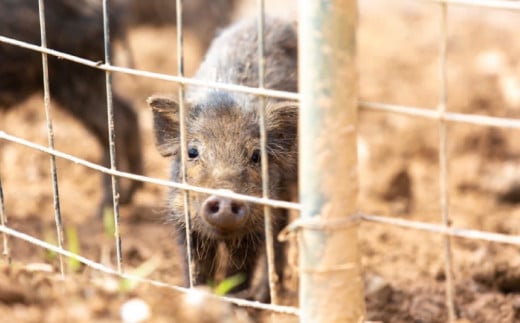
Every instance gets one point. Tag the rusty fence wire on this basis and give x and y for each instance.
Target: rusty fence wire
(50, 134)
(441, 116)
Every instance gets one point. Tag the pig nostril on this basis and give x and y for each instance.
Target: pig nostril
(214, 207)
(237, 208)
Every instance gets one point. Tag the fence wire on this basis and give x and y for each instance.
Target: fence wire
(50, 134)
(184, 145)
(152, 180)
(491, 4)
(111, 137)
(443, 163)
(439, 115)
(264, 161)
(102, 268)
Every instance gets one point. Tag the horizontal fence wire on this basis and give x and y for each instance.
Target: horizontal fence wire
(422, 112)
(423, 226)
(445, 116)
(442, 229)
(492, 4)
(111, 271)
(151, 180)
(159, 76)
(364, 105)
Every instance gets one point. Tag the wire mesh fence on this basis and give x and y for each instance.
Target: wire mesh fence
(441, 116)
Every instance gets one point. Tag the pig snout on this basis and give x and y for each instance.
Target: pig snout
(224, 214)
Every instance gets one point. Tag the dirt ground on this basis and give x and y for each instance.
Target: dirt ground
(399, 177)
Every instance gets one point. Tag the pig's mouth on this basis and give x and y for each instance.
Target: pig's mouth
(223, 233)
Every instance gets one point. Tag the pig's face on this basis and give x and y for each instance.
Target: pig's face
(223, 152)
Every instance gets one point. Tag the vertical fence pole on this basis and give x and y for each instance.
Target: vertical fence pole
(331, 285)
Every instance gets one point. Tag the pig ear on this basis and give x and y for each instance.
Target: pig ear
(282, 126)
(165, 123)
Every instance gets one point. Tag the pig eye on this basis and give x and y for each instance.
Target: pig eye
(193, 153)
(255, 157)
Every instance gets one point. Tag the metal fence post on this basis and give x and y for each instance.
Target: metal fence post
(331, 284)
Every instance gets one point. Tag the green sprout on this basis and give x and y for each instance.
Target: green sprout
(108, 221)
(50, 238)
(225, 286)
(73, 245)
(143, 271)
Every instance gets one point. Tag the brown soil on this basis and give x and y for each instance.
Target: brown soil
(399, 177)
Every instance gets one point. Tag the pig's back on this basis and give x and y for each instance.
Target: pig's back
(233, 56)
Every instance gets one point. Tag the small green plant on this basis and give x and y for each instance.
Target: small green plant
(108, 221)
(73, 245)
(226, 285)
(143, 271)
(50, 237)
